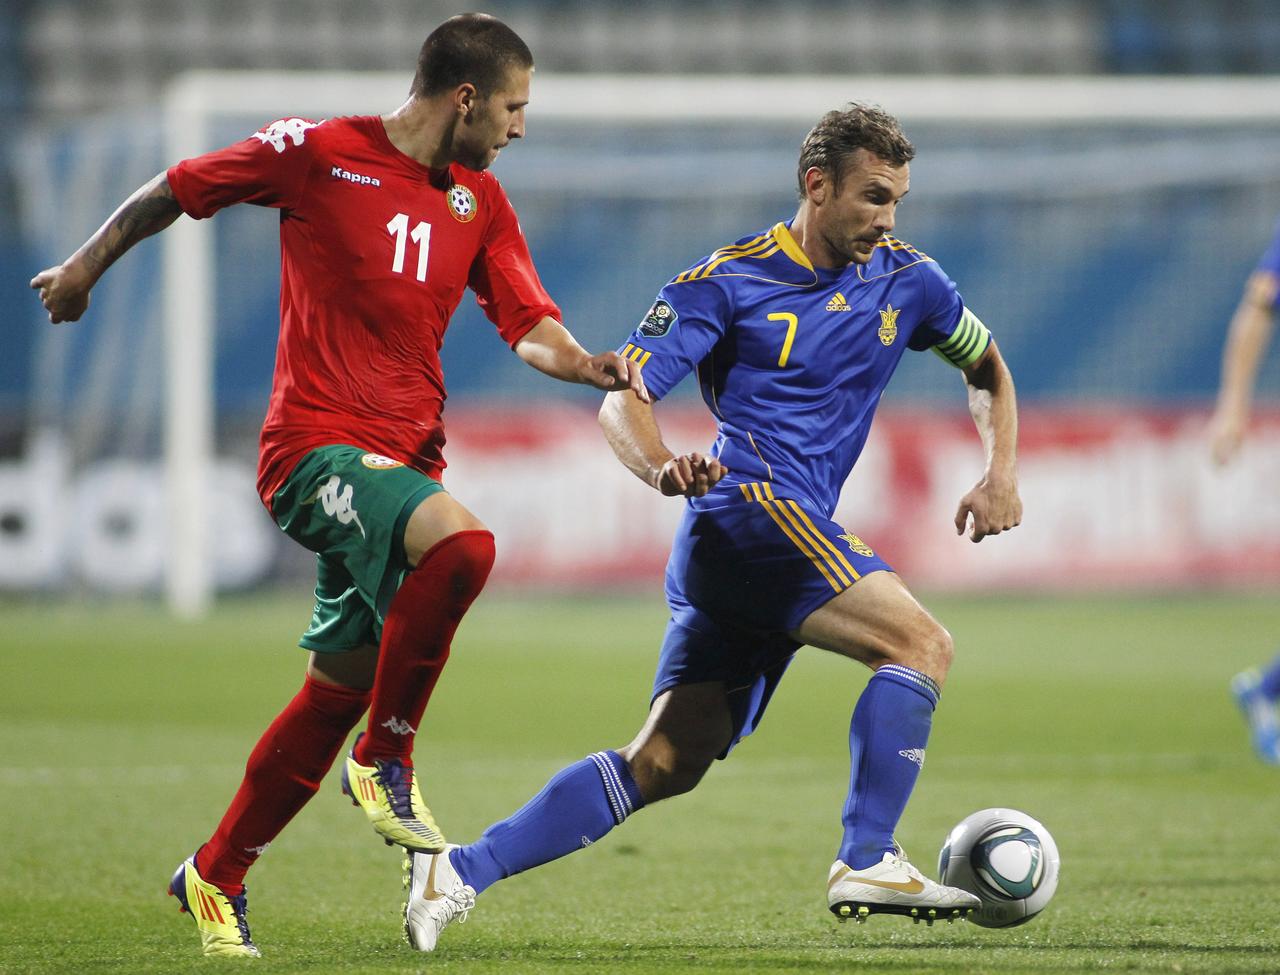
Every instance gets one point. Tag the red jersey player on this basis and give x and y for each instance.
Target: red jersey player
(384, 221)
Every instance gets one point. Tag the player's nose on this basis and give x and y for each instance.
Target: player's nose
(516, 129)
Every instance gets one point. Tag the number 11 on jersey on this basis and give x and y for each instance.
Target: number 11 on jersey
(420, 235)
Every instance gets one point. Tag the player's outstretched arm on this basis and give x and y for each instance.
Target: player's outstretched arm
(993, 503)
(64, 290)
(1247, 341)
(549, 348)
(632, 431)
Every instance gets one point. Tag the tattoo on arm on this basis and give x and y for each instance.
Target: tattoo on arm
(149, 210)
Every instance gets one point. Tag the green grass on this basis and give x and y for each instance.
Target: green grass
(125, 734)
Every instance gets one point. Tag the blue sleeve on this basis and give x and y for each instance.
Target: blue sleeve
(942, 308)
(1271, 257)
(677, 332)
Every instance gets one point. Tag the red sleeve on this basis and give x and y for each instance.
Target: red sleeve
(269, 169)
(504, 278)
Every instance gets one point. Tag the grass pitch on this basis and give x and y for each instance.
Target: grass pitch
(1108, 719)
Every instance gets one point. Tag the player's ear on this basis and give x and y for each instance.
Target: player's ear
(465, 97)
(816, 185)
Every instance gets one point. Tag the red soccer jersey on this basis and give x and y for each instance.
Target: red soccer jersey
(376, 250)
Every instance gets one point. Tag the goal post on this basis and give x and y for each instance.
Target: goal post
(194, 100)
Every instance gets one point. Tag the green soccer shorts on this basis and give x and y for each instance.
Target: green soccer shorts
(350, 507)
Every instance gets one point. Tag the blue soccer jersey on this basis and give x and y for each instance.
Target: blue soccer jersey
(792, 359)
(1271, 257)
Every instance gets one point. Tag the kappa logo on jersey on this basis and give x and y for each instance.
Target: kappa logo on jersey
(838, 302)
(888, 324)
(275, 134)
(858, 546)
(462, 203)
(337, 172)
(659, 320)
(377, 462)
(336, 499)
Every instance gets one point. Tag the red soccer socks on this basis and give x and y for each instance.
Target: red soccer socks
(283, 772)
(416, 635)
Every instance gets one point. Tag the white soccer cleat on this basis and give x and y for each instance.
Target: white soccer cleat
(894, 886)
(437, 897)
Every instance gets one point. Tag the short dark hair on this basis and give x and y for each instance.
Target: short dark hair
(842, 132)
(475, 48)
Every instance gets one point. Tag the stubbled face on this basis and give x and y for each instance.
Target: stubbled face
(851, 220)
(494, 120)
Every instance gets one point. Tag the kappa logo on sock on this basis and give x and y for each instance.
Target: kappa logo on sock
(257, 851)
(913, 755)
(586, 842)
(398, 727)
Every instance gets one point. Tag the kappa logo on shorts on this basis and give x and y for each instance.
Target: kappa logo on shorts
(378, 462)
(659, 319)
(858, 546)
(336, 500)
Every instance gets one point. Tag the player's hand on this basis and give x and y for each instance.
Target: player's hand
(994, 505)
(611, 372)
(64, 292)
(691, 475)
(1226, 433)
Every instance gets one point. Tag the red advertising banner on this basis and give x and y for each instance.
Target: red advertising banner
(1114, 497)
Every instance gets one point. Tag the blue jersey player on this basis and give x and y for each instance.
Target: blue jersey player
(1257, 692)
(793, 334)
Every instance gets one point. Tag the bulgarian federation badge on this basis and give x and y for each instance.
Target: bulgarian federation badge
(462, 203)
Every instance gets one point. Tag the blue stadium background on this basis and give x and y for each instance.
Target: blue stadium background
(1094, 299)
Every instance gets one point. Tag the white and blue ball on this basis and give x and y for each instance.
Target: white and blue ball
(1007, 859)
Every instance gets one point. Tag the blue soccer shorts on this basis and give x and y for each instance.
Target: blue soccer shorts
(746, 569)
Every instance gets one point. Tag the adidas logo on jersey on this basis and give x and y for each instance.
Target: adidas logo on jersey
(337, 172)
(838, 302)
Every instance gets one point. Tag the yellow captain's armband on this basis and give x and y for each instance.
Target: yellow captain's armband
(967, 342)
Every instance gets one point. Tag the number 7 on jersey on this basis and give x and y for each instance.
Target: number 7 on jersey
(398, 227)
(792, 322)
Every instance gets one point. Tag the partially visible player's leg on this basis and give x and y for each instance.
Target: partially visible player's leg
(283, 772)
(879, 623)
(688, 726)
(1257, 692)
(452, 553)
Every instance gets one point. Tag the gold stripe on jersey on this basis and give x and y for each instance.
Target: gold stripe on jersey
(767, 248)
(760, 455)
(893, 244)
(720, 256)
(636, 354)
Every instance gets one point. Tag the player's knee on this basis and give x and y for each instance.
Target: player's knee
(664, 771)
(469, 556)
(935, 651)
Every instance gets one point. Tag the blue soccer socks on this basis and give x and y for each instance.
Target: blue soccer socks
(578, 806)
(887, 739)
(1269, 683)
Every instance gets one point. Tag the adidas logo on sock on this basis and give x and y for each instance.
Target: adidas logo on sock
(398, 727)
(913, 755)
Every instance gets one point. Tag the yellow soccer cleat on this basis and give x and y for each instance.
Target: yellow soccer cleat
(388, 793)
(220, 919)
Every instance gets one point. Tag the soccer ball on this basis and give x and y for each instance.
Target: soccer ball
(1007, 859)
